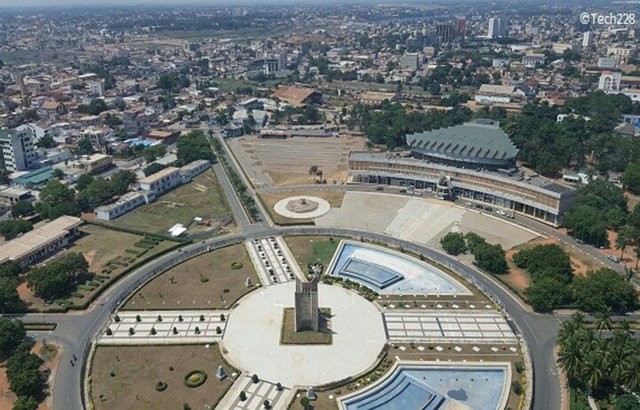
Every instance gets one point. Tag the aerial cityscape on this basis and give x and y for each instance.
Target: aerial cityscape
(344, 205)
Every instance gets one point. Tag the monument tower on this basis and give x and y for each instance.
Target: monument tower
(307, 313)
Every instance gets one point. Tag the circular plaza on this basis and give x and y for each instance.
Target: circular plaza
(302, 207)
(253, 333)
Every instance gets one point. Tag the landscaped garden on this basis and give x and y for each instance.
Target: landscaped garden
(312, 249)
(157, 377)
(213, 280)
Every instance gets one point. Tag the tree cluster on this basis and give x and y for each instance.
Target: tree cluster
(22, 366)
(602, 366)
(171, 80)
(389, 123)
(453, 243)
(548, 146)
(194, 146)
(14, 227)
(486, 256)
(10, 301)
(93, 192)
(58, 278)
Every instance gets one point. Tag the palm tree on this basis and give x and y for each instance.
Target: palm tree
(570, 359)
(631, 375)
(593, 368)
(603, 320)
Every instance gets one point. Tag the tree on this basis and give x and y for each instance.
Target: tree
(543, 261)
(453, 243)
(14, 227)
(84, 147)
(627, 235)
(153, 168)
(22, 209)
(12, 333)
(46, 142)
(58, 173)
(23, 372)
(602, 289)
(25, 403)
(491, 258)
(631, 178)
(153, 152)
(9, 299)
(97, 106)
(547, 293)
(58, 278)
(56, 199)
(10, 270)
(603, 319)
(627, 402)
(194, 146)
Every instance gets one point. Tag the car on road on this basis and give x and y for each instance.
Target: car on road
(580, 241)
(467, 203)
(501, 212)
(488, 209)
(428, 190)
(380, 188)
(613, 259)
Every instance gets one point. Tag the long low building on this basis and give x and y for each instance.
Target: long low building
(41, 242)
(535, 197)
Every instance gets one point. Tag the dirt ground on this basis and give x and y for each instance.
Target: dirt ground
(269, 199)
(182, 287)
(287, 162)
(124, 377)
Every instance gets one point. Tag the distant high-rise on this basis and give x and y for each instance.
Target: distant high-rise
(462, 27)
(497, 28)
(446, 32)
(587, 39)
(17, 148)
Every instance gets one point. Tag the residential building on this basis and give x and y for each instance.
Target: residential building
(607, 62)
(609, 81)
(587, 39)
(192, 169)
(41, 242)
(18, 148)
(13, 195)
(560, 48)
(533, 60)
(410, 61)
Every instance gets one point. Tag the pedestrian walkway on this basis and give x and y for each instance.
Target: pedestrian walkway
(257, 393)
(165, 327)
(273, 261)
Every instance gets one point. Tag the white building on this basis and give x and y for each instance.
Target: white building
(609, 81)
(492, 94)
(124, 204)
(192, 169)
(162, 181)
(587, 39)
(410, 61)
(18, 148)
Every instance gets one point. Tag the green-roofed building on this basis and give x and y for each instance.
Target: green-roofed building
(35, 178)
(478, 144)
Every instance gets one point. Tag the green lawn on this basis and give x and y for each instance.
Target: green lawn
(203, 197)
(312, 249)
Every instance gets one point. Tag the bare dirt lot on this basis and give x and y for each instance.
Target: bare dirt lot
(287, 162)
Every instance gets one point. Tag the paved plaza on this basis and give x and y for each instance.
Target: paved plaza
(449, 327)
(252, 337)
(184, 333)
(421, 220)
(273, 260)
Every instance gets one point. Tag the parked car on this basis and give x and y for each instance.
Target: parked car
(467, 203)
(613, 259)
(380, 188)
(501, 212)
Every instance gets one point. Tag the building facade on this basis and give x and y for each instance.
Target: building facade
(534, 197)
(18, 148)
(162, 181)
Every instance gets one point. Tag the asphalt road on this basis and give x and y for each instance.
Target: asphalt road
(76, 331)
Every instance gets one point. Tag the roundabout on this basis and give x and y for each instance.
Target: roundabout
(252, 337)
(302, 207)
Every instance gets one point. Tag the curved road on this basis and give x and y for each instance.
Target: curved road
(76, 331)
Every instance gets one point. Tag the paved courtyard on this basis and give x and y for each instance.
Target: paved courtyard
(256, 393)
(185, 329)
(252, 337)
(419, 219)
(449, 327)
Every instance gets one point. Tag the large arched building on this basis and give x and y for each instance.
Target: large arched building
(475, 161)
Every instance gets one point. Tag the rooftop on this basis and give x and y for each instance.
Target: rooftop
(480, 140)
(39, 237)
(158, 175)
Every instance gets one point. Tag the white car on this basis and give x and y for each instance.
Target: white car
(500, 212)
(467, 203)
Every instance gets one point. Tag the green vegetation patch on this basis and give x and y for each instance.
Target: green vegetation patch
(289, 336)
